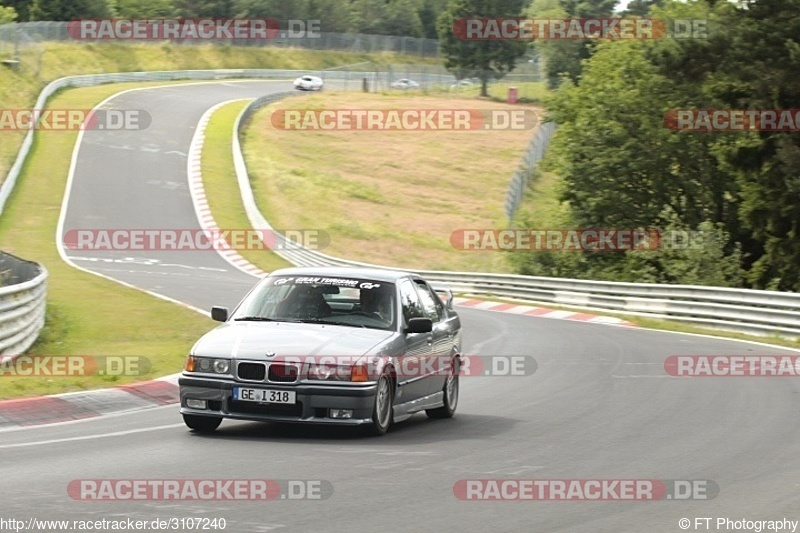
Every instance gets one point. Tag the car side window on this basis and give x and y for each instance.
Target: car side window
(430, 303)
(412, 307)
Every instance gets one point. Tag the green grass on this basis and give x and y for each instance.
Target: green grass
(541, 204)
(219, 182)
(86, 315)
(528, 92)
(386, 197)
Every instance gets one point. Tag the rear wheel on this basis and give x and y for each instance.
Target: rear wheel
(450, 395)
(382, 412)
(202, 424)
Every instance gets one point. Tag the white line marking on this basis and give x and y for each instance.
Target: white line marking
(197, 191)
(644, 377)
(88, 437)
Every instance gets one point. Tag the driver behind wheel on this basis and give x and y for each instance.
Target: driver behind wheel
(377, 302)
(306, 302)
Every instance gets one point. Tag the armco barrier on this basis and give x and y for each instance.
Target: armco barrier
(22, 303)
(747, 311)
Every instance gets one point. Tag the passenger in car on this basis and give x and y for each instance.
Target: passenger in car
(378, 302)
(305, 302)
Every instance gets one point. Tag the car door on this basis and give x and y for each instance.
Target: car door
(412, 376)
(441, 337)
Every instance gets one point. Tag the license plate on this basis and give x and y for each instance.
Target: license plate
(243, 394)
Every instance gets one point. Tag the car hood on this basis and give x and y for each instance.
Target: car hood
(260, 340)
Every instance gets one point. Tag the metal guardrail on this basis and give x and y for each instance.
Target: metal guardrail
(22, 304)
(742, 310)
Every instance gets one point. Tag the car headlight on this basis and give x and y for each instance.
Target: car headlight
(323, 372)
(329, 372)
(207, 365)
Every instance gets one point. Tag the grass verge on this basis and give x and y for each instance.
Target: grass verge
(86, 315)
(386, 197)
(220, 183)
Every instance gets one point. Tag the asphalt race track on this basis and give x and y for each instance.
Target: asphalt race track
(600, 405)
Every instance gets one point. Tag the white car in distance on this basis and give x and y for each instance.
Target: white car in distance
(405, 84)
(308, 83)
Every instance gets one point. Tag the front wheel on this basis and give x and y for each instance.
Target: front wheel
(450, 395)
(202, 424)
(382, 412)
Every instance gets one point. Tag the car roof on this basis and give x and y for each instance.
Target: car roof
(377, 274)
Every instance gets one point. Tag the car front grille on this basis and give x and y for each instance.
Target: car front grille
(283, 373)
(277, 373)
(251, 371)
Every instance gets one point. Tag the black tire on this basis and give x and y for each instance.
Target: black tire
(382, 410)
(450, 390)
(202, 424)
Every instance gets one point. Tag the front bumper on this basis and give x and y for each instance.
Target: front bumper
(312, 401)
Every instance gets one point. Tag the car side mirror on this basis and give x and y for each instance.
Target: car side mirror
(419, 325)
(220, 314)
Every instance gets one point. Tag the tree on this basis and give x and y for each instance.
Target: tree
(60, 10)
(143, 9)
(22, 7)
(563, 58)
(334, 15)
(205, 8)
(7, 15)
(275, 9)
(640, 8)
(369, 16)
(487, 59)
(429, 12)
(403, 19)
(759, 71)
(621, 165)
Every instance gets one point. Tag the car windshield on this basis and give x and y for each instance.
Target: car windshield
(352, 302)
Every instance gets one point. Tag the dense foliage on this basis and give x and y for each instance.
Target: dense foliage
(622, 167)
